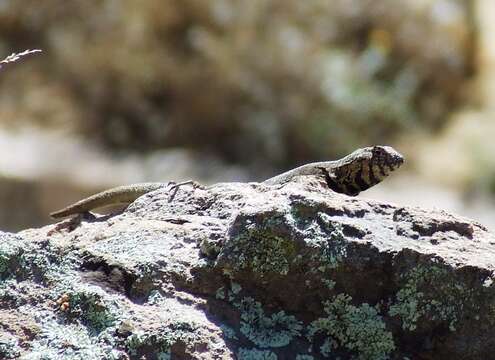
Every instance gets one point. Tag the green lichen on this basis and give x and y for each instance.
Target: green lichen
(27, 261)
(92, 309)
(254, 354)
(34, 265)
(357, 328)
(323, 234)
(138, 343)
(268, 254)
(266, 331)
(304, 357)
(9, 259)
(407, 307)
(327, 347)
(9, 346)
(235, 287)
(270, 246)
(261, 246)
(143, 284)
(228, 332)
(419, 298)
(220, 293)
(275, 330)
(155, 298)
(332, 243)
(330, 284)
(230, 295)
(60, 341)
(210, 247)
(158, 342)
(4, 263)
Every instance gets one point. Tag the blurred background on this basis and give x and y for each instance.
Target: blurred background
(222, 90)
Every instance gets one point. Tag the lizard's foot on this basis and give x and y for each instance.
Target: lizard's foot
(72, 223)
(193, 183)
(174, 187)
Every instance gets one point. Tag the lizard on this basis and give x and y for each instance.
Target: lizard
(356, 172)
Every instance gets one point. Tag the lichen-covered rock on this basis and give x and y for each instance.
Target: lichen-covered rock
(250, 272)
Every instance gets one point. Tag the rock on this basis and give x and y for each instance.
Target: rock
(249, 271)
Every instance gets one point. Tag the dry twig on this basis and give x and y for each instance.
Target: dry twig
(16, 56)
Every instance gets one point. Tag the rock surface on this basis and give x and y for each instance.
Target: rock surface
(249, 271)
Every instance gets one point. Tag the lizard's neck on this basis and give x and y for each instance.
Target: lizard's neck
(352, 175)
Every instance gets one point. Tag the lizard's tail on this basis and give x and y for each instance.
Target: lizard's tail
(119, 195)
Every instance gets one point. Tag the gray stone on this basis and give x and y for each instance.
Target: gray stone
(249, 271)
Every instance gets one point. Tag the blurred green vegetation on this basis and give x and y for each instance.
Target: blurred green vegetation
(266, 82)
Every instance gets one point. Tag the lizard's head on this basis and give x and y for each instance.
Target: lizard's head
(384, 160)
(363, 169)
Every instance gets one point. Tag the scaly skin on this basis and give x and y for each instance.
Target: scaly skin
(350, 175)
(119, 195)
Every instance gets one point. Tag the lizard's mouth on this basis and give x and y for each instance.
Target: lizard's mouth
(386, 157)
(393, 163)
(396, 159)
(386, 169)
